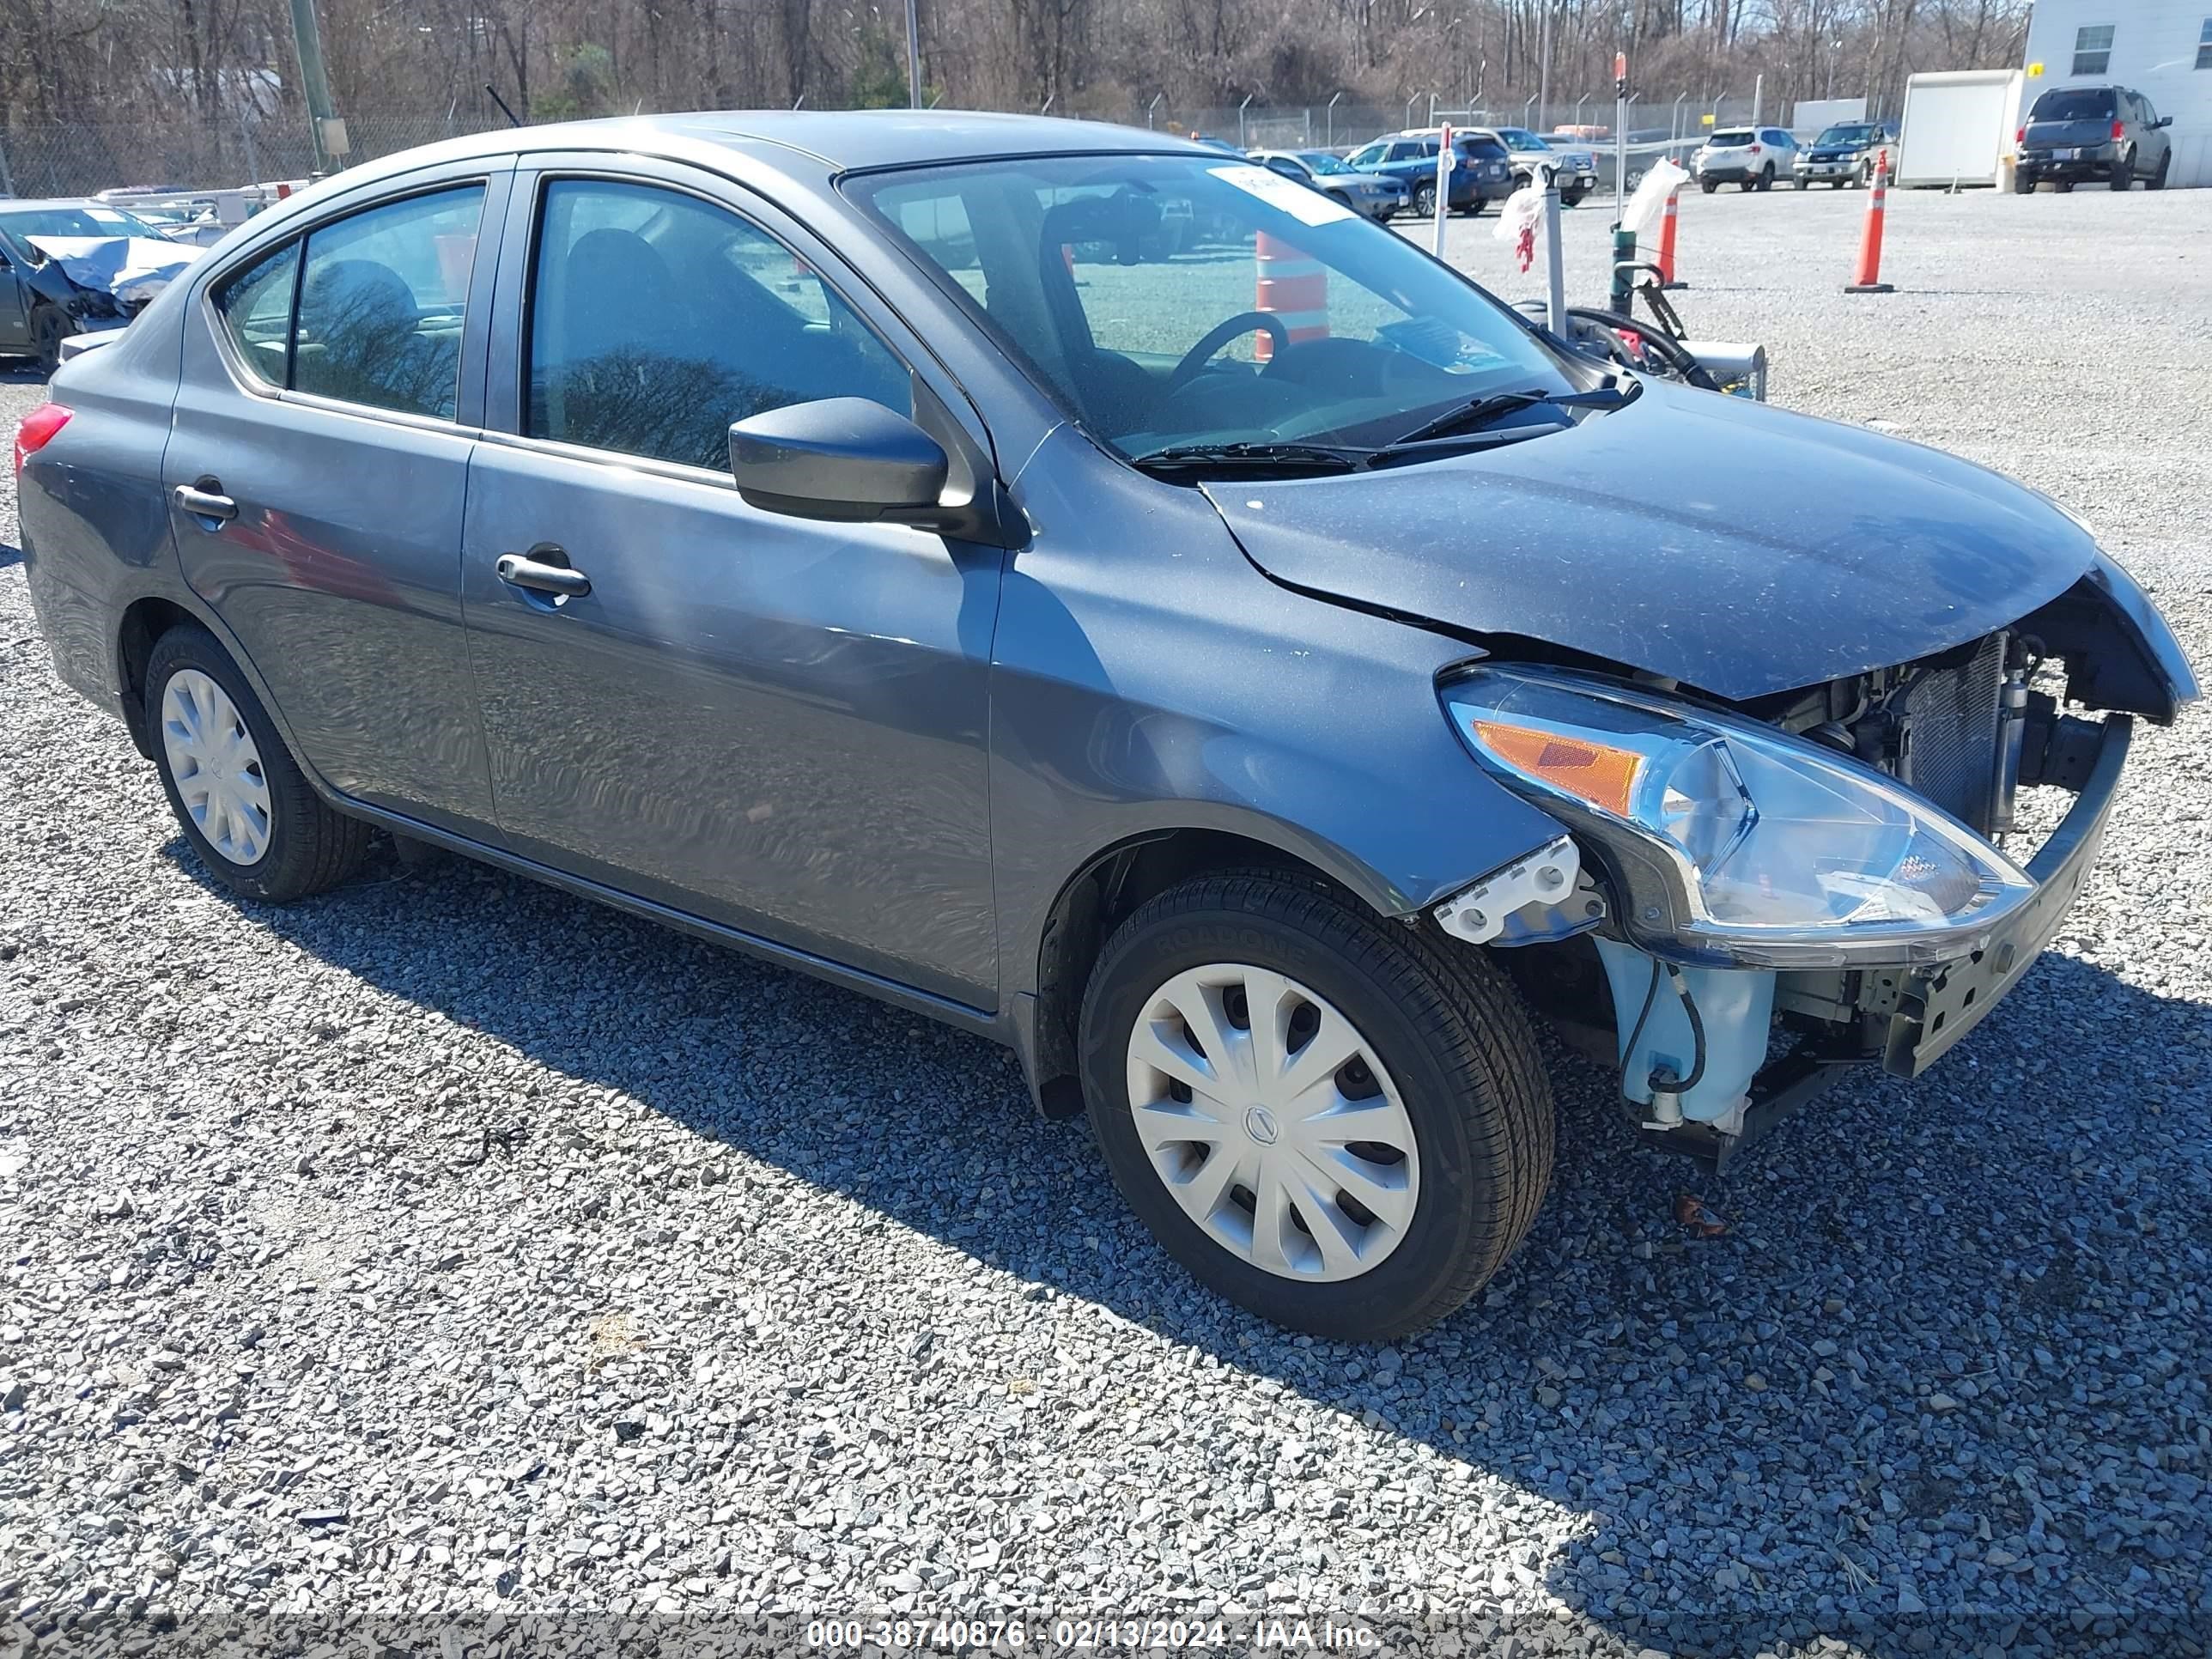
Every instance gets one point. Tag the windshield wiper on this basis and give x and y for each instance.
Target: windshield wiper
(1472, 416)
(1287, 456)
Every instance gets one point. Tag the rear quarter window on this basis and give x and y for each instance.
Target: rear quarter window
(255, 308)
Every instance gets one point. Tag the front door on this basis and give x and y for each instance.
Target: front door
(14, 302)
(316, 470)
(776, 724)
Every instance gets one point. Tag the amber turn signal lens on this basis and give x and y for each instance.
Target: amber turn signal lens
(1595, 771)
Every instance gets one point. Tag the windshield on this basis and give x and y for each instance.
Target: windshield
(1291, 319)
(74, 222)
(2073, 103)
(1319, 160)
(1522, 139)
(1862, 133)
(1727, 140)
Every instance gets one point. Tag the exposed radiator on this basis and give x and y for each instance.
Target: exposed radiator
(1950, 756)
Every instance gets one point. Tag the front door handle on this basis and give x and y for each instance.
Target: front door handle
(519, 570)
(206, 503)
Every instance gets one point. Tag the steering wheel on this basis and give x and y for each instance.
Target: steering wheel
(1220, 335)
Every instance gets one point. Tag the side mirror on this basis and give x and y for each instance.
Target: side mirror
(2163, 121)
(848, 461)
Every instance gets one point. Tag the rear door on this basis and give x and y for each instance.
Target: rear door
(331, 386)
(777, 723)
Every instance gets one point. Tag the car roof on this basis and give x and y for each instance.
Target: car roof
(840, 141)
(10, 203)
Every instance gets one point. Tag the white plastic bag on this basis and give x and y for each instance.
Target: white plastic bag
(1664, 178)
(1521, 221)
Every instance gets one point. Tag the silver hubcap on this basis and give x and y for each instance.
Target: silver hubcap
(216, 766)
(1273, 1123)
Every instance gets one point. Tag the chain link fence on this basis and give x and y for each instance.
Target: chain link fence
(80, 159)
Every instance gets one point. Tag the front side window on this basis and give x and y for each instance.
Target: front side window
(657, 320)
(1302, 321)
(382, 296)
(2093, 48)
(1370, 156)
(255, 308)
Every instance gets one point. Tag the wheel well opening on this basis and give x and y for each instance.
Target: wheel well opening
(145, 621)
(1095, 902)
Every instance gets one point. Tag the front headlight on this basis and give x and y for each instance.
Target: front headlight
(1732, 840)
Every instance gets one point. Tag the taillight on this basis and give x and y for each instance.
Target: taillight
(1755, 150)
(2021, 137)
(37, 430)
(2119, 131)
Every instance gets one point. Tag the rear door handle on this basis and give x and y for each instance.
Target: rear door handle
(517, 570)
(206, 504)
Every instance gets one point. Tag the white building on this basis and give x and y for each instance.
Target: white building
(2160, 48)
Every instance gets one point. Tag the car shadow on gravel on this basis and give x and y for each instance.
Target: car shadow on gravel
(1934, 1387)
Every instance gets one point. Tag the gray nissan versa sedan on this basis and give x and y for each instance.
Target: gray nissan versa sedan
(1258, 686)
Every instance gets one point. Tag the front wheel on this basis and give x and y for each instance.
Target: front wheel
(1766, 177)
(48, 330)
(1339, 1123)
(1803, 184)
(1571, 197)
(2157, 180)
(248, 809)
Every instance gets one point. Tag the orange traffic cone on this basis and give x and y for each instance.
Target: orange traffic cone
(1868, 279)
(1666, 260)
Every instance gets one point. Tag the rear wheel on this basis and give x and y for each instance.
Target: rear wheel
(2065, 186)
(1709, 186)
(1424, 200)
(2124, 170)
(2023, 184)
(1339, 1124)
(248, 811)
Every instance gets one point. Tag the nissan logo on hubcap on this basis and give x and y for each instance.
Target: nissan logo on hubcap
(1260, 1124)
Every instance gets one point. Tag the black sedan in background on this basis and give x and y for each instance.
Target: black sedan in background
(1377, 196)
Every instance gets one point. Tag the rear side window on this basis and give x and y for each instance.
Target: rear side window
(1729, 140)
(656, 320)
(381, 301)
(255, 308)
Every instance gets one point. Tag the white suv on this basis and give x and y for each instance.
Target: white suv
(1753, 157)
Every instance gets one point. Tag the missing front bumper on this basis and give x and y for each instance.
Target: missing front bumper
(1939, 1006)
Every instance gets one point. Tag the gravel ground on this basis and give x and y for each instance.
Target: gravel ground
(450, 1248)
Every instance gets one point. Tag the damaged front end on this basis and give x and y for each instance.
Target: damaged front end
(103, 282)
(1755, 896)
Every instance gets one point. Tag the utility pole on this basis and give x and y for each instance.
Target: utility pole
(323, 124)
(913, 58)
(1544, 73)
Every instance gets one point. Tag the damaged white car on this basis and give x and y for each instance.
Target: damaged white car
(75, 268)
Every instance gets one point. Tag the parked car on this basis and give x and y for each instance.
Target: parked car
(1481, 173)
(1529, 152)
(73, 267)
(772, 525)
(2108, 135)
(1753, 157)
(1843, 154)
(1376, 195)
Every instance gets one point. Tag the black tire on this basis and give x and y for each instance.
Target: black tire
(2065, 186)
(49, 328)
(1766, 177)
(1837, 184)
(1803, 184)
(1424, 201)
(1709, 186)
(1445, 1023)
(311, 848)
(2023, 184)
(1573, 198)
(2124, 171)
(2157, 180)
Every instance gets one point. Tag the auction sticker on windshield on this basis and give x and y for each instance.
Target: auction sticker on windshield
(1307, 206)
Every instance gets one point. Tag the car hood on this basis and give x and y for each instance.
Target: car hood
(132, 269)
(1735, 547)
